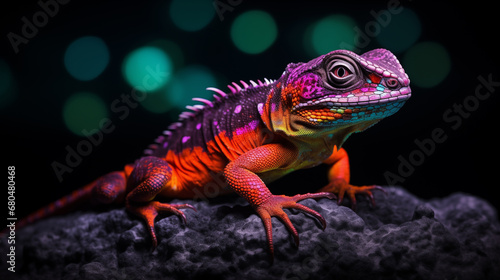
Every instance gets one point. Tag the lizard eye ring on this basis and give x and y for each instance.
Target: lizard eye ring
(341, 73)
(392, 83)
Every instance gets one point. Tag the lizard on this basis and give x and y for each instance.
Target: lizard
(256, 133)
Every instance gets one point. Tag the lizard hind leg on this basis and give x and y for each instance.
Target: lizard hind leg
(148, 178)
(109, 188)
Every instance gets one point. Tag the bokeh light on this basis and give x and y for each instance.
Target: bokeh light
(83, 112)
(427, 64)
(192, 15)
(86, 58)
(254, 31)
(147, 68)
(6, 81)
(332, 33)
(190, 82)
(400, 31)
(172, 49)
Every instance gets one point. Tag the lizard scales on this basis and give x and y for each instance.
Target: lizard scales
(259, 132)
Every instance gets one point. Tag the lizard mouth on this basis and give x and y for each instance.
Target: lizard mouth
(356, 100)
(347, 107)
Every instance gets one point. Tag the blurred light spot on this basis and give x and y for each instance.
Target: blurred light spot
(190, 82)
(83, 112)
(400, 31)
(172, 49)
(147, 68)
(427, 64)
(191, 15)
(332, 33)
(6, 84)
(86, 58)
(254, 31)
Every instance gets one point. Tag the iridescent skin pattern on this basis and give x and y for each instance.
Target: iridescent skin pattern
(343, 88)
(255, 134)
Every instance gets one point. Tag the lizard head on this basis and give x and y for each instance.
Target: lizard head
(339, 91)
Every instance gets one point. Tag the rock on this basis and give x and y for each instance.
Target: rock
(404, 237)
(423, 211)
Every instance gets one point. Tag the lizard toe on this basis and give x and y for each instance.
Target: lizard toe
(152, 209)
(273, 207)
(342, 189)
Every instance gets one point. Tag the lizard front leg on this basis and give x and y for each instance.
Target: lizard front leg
(148, 178)
(339, 176)
(241, 175)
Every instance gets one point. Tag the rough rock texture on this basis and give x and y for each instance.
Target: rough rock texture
(404, 237)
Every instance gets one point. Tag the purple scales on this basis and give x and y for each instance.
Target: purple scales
(375, 86)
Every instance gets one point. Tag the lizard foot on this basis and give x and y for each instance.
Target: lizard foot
(149, 212)
(273, 207)
(341, 188)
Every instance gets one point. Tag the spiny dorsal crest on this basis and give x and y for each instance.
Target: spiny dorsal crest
(219, 96)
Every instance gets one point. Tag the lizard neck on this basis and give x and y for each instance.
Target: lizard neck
(265, 113)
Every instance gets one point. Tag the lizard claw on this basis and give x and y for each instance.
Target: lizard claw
(273, 207)
(341, 187)
(149, 212)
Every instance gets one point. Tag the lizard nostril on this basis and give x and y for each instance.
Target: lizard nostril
(392, 83)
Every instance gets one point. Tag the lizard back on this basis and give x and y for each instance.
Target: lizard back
(205, 139)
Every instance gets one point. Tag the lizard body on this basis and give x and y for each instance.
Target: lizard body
(258, 133)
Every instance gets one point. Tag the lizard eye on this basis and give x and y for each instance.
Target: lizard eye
(392, 83)
(341, 73)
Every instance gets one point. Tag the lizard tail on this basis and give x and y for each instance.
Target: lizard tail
(59, 206)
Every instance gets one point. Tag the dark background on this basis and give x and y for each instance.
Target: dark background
(34, 135)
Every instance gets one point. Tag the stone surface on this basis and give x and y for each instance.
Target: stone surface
(404, 237)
